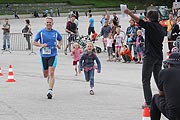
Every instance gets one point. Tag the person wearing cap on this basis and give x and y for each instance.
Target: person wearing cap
(71, 29)
(48, 39)
(167, 102)
(153, 54)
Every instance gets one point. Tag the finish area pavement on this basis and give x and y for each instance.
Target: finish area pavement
(118, 88)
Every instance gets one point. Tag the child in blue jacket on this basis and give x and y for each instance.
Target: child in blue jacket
(86, 62)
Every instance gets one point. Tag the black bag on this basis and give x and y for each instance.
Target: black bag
(24, 30)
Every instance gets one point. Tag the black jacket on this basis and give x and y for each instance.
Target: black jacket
(154, 36)
(175, 32)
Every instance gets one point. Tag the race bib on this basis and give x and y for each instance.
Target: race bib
(46, 50)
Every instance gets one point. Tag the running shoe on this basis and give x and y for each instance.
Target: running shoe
(91, 92)
(65, 52)
(49, 94)
(3, 48)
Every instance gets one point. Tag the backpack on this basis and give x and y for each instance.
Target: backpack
(25, 29)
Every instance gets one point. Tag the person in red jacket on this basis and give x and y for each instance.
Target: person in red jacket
(126, 54)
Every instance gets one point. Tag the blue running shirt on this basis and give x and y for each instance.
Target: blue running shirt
(91, 20)
(48, 37)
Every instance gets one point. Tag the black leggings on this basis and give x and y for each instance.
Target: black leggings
(126, 57)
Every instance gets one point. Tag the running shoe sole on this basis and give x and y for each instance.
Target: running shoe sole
(49, 96)
(91, 92)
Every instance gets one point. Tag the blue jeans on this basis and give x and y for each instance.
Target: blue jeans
(150, 65)
(89, 76)
(6, 38)
(130, 45)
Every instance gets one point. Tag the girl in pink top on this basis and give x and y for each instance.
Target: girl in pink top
(76, 53)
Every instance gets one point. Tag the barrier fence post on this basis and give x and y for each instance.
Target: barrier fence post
(64, 38)
(32, 47)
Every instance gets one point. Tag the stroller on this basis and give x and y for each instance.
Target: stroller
(83, 40)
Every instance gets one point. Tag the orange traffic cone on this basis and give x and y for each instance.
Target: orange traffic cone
(10, 75)
(1, 72)
(146, 114)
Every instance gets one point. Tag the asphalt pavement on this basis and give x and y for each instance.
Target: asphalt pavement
(118, 88)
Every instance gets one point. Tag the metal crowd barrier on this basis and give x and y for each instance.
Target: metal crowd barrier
(18, 42)
(65, 42)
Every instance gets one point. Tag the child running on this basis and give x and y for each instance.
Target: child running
(109, 46)
(76, 53)
(119, 41)
(86, 62)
